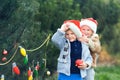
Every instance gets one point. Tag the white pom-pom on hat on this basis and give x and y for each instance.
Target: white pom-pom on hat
(92, 23)
(74, 25)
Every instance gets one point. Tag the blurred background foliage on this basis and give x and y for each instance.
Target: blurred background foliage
(29, 22)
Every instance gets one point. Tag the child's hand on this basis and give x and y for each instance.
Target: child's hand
(83, 66)
(64, 27)
(95, 37)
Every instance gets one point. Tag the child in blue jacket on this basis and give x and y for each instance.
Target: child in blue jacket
(71, 50)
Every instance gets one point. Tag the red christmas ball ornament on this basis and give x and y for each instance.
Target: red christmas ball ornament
(5, 52)
(16, 69)
(4, 59)
(78, 62)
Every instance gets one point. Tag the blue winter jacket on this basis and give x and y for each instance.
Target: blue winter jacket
(63, 65)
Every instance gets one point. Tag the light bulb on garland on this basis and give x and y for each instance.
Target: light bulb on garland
(35, 73)
(43, 64)
(37, 66)
(22, 51)
(2, 77)
(29, 72)
(25, 59)
(15, 69)
(30, 77)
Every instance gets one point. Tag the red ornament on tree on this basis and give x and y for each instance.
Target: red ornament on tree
(16, 69)
(4, 59)
(5, 52)
(29, 72)
(78, 62)
(37, 66)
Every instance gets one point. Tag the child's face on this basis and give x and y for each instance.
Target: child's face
(70, 35)
(86, 31)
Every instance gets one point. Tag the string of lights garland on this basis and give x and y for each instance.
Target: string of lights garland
(31, 50)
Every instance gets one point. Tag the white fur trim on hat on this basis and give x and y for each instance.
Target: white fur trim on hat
(89, 23)
(75, 29)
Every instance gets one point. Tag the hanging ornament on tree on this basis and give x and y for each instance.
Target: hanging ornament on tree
(30, 77)
(37, 66)
(5, 52)
(26, 59)
(43, 64)
(48, 73)
(35, 73)
(15, 69)
(29, 72)
(22, 51)
(4, 59)
(2, 77)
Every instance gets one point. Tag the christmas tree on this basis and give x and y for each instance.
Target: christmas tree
(23, 44)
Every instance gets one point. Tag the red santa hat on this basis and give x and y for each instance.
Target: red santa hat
(74, 25)
(92, 23)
